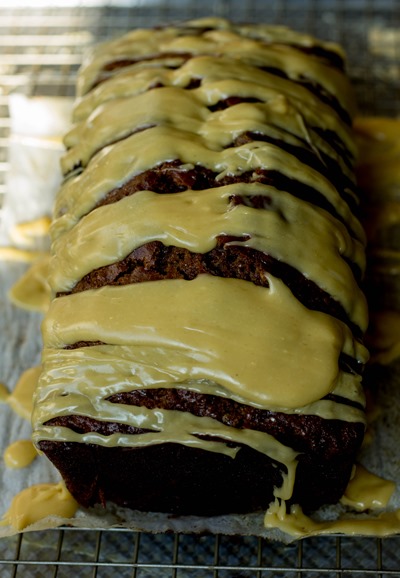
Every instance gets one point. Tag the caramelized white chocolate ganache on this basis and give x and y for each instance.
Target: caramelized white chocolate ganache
(206, 267)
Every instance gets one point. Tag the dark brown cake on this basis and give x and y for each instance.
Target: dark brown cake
(203, 351)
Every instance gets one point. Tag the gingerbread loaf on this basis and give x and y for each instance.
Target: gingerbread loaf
(203, 350)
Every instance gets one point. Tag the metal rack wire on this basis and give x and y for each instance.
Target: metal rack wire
(40, 51)
(121, 553)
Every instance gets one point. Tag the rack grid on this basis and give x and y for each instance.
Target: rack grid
(40, 51)
(124, 554)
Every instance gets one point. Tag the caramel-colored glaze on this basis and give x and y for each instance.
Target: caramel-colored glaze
(185, 110)
(32, 290)
(277, 327)
(21, 399)
(4, 393)
(216, 76)
(367, 491)
(19, 454)
(225, 39)
(104, 370)
(194, 221)
(38, 502)
(298, 525)
(116, 164)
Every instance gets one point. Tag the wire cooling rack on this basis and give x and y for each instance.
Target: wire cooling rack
(124, 554)
(40, 51)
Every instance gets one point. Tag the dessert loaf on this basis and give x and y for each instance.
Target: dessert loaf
(203, 350)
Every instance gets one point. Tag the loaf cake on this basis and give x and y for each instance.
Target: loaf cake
(203, 349)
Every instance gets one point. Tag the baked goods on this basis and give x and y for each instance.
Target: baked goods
(203, 352)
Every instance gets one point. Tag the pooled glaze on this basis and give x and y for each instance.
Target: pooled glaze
(32, 290)
(38, 502)
(21, 398)
(19, 454)
(367, 491)
(4, 393)
(298, 525)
